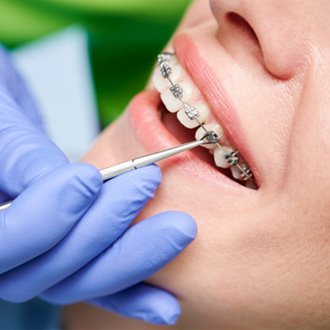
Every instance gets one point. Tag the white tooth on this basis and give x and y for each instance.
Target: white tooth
(173, 60)
(161, 83)
(192, 123)
(172, 103)
(216, 128)
(219, 156)
(236, 172)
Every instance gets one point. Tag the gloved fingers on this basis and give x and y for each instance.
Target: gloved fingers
(144, 302)
(11, 79)
(43, 214)
(117, 205)
(140, 252)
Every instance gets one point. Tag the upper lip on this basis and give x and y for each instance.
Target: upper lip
(187, 52)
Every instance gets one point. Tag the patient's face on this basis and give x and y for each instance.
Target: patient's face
(261, 258)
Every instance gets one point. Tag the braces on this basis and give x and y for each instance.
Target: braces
(231, 157)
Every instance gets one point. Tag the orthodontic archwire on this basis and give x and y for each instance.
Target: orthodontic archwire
(232, 157)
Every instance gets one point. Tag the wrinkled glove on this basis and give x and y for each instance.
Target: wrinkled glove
(67, 236)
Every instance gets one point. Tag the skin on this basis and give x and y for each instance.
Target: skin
(261, 260)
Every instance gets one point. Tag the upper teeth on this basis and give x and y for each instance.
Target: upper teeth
(180, 95)
(188, 114)
(173, 103)
(216, 128)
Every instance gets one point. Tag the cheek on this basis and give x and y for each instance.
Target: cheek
(309, 147)
(181, 192)
(324, 127)
(222, 252)
(263, 263)
(114, 145)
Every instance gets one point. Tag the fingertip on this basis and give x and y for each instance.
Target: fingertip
(140, 185)
(155, 169)
(183, 223)
(164, 307)
(144, 302)
(91, 173)
(70, 189)
(169, 233)
(173, 319)
(151, 173)
(168, 315)
(159, 320)
(187, 224)
(88, 176)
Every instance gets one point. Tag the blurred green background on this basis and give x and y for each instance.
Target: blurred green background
(124, 38)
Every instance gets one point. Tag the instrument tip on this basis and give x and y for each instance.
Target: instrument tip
(210, 138)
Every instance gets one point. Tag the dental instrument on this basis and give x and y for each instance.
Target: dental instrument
(133, 164)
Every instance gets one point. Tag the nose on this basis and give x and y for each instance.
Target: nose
(273, 29)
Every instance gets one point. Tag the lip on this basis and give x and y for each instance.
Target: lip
(187, 52)
(150, 132)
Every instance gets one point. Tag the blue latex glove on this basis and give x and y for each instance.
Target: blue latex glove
(67, 236)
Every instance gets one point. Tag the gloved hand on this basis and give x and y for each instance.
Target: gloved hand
(66, 236)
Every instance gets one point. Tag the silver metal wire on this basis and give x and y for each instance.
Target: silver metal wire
(232, 157)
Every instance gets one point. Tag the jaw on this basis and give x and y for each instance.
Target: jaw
(237, 272)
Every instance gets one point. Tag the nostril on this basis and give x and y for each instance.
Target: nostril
(242, 24)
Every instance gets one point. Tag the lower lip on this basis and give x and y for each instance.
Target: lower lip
(149, 131)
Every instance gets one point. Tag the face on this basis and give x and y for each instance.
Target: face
(260, 70)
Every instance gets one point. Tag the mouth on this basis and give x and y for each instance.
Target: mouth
(186, 115)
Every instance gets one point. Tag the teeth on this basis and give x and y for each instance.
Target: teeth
(168, 56)
(219, 156)
(177, 91)
(172, 103)
(241, 174)
(160, 83)
(202, 112)
(217, 129)
(236, 172)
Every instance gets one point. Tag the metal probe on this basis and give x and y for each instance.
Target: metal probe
(133, 164)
